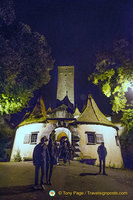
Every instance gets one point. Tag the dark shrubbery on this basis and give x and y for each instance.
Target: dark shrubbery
(6, 140)
(126, 141)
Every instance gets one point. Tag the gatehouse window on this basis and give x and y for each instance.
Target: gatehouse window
(99, 138)
(34, 137)
(91, 137)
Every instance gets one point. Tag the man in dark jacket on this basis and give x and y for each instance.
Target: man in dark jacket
(102, 152)
(40, 155)
(52, 158)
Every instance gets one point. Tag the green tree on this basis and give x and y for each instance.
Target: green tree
(114, 75)
(25, 61)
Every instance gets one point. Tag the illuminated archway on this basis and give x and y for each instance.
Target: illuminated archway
(62, 132)
(61, 135)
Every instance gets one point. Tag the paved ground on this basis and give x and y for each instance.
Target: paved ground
(77, 181)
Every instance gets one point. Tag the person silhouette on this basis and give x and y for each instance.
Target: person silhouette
(52, 160)
(39, 161)
(102, 152)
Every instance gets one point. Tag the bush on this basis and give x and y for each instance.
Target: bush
(17, 157)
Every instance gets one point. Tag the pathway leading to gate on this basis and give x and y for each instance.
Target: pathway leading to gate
(77, 181)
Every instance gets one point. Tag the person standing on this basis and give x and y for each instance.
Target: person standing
(52, 160)
(66, 152)
(40, 154)
(102, 152)
(57, 152)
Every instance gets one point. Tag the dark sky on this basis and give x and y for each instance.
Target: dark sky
(76, 30)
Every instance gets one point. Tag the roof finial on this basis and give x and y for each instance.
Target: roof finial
(89, 96)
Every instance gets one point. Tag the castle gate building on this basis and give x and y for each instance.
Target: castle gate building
(85, 130)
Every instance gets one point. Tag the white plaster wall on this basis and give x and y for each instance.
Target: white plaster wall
(26, 150)
(48, 129)
(114, 157)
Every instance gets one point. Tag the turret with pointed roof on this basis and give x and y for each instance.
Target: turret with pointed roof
(37, 115)
(92, 114)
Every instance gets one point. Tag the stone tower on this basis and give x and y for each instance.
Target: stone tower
(65, 84)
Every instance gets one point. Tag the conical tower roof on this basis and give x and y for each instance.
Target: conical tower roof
(37, 115)
(93, 115)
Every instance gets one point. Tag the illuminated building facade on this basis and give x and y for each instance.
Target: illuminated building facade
(85, 131)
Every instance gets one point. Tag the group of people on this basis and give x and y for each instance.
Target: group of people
(44, 157)
(66, 151)
(48, 152)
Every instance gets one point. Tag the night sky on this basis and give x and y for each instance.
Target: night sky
(76, 30)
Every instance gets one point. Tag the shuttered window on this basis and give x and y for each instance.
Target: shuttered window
(99, 138)
(91, 137)
(31, 138)
(26, 139)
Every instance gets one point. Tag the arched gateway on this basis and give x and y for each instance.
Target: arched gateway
(63, 132)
